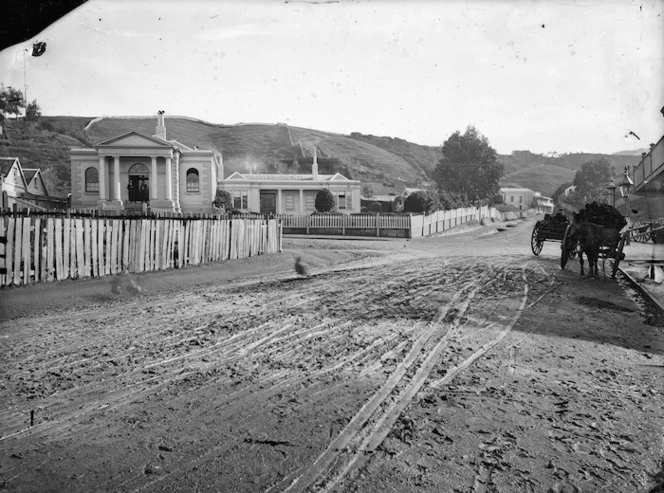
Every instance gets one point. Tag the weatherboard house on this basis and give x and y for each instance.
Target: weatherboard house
(291, 194)
(17, 182)
(133, 169)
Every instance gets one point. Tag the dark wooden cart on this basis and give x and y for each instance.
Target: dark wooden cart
(550, 228)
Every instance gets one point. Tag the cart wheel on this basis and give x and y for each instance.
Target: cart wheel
(640, 231)
(565, 252)
(619, 255)
(535, 243)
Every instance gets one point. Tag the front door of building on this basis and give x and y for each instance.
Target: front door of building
(268, 202)
(139, 184)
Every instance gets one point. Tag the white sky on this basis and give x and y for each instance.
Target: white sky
(565, 76)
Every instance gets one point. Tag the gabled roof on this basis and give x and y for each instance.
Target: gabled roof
(134, 139)
(284, 177)
(337, 177)
(177, 144)
(6, 164)
(30, 173)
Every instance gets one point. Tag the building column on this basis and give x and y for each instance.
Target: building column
(303, 206)
(169, 181)
(278, 205)
(116, 173)
(153, 179)
(102, 177)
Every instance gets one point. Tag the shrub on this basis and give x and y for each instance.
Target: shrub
(421, 202)
(48, 126)
(451, 200)
(397, 205)
(496, 199)
(375, 207)
(325, 201)
(223, 199)
(506, 208)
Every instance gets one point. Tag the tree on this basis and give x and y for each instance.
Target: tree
(560, 191)
(496, 200)
(11, 101)
(325, 201)
(591, 180)
(397, 205)
(469, 167)
(32, 111)
(368, 191)
(421, 202)
(223, 200)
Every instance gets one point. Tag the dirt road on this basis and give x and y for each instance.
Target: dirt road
(450, 364)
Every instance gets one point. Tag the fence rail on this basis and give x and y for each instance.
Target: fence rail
(43, 248)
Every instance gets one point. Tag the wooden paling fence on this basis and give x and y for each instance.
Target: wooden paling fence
(43, 249)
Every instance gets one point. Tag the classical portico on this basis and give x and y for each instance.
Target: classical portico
(133, 169)
(118, 160)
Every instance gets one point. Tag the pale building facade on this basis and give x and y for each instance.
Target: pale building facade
(290, 194)
(133, 169)
(525, 198)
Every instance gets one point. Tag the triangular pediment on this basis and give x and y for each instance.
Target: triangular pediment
(338, 177)
(133, 139)
(236, 176)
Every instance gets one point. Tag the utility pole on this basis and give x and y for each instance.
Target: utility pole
(25, 80)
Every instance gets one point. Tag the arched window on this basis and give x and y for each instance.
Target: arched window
(91, 180)
(192, 180)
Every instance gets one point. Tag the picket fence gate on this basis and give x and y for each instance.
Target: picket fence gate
(43, 249)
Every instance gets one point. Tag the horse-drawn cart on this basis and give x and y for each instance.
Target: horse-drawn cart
(599, 231)
(551, 228)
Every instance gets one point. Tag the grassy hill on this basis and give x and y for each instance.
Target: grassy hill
(277, 148)
(540, 178)
(545, 173)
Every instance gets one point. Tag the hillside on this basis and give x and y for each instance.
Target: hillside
(278, 148)
(540, 178)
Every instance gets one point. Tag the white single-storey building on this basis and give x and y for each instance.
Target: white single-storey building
(133, 169)
(290, 194)
(525, 198)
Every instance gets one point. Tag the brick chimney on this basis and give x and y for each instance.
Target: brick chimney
(314, 166)
(161, 127)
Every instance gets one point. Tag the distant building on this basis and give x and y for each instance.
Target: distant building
(568, 190)
(133, 169)
(407, 191)
(525, 198)
(543, 204)
(290, 194)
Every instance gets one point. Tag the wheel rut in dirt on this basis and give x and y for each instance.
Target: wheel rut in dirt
(265, 384)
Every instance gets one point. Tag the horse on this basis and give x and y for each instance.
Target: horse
(586, 238)
(593, 239)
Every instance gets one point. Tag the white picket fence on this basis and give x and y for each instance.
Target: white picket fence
(411, 225)
(45, 248)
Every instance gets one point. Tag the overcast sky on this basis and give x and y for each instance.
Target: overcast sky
(565, 76)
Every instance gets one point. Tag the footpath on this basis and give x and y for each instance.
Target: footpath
(644, 267)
